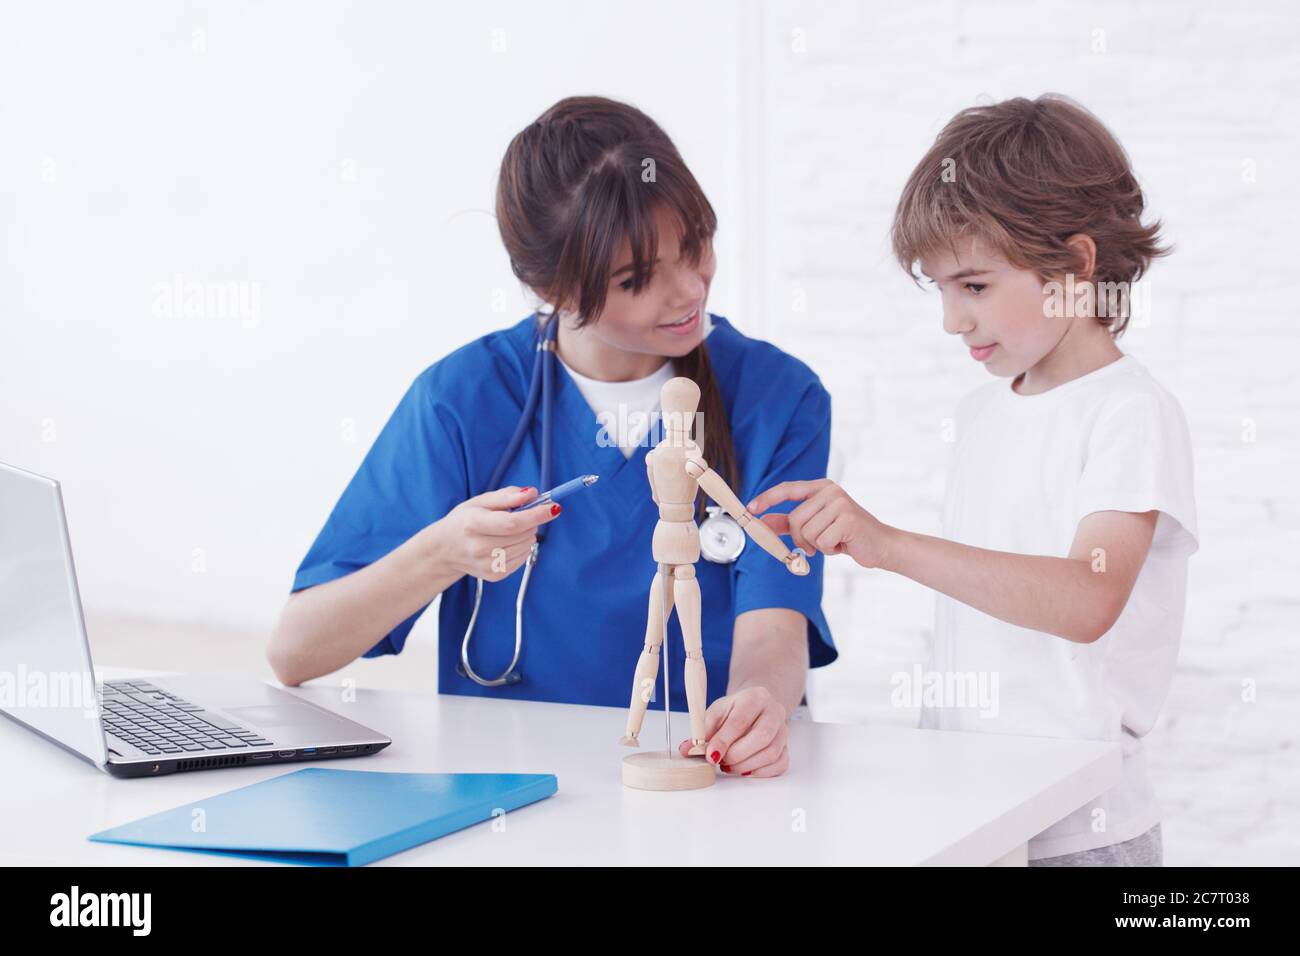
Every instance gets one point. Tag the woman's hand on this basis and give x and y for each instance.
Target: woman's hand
(483, 538)
(828, 521)
(746, 733)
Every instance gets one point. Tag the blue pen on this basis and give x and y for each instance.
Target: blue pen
(560, 491)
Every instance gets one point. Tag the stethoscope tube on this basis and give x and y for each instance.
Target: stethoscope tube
(541, 384)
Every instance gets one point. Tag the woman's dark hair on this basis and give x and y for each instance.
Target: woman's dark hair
(587, 174)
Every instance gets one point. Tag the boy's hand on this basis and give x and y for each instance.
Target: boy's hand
(828, 521)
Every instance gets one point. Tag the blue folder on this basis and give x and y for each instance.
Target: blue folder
(334, 817)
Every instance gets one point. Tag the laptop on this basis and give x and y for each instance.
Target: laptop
(130, 728)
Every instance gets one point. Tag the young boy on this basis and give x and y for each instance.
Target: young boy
(1069, 513)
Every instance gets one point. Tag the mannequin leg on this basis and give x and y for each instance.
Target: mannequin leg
(647, 665)
(686, 591)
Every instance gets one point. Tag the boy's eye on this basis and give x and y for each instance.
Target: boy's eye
(626, 285)
(976, 287)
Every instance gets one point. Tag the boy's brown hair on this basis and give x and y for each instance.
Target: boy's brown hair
(1024, 176)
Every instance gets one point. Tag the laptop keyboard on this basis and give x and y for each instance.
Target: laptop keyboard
(159, 722)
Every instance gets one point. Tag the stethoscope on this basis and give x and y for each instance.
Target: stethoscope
(721, 538)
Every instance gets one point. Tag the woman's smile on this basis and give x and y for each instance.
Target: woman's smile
(685, 325)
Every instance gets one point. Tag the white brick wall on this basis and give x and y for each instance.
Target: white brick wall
(342, 157)
(1201, 95)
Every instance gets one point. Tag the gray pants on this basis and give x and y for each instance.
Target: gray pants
(1145, 849)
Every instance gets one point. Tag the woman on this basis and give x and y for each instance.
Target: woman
(602, 219)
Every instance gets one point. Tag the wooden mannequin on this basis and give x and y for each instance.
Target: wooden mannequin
(676, 470)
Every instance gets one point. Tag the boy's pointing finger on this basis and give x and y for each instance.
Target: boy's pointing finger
(785, 491)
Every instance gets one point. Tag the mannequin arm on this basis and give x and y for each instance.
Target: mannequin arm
(763, 536)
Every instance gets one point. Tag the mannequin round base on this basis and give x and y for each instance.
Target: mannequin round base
(661, 770)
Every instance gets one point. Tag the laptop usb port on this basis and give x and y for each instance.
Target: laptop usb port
(284, 753)
(347, 750)
(307, 751)
(328, 750)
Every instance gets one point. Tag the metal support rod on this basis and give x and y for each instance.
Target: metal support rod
(663, 645)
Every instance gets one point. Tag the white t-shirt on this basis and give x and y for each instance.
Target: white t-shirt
(624, 410)
(1025, 471)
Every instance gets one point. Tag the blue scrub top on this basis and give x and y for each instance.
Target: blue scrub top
(585, 613)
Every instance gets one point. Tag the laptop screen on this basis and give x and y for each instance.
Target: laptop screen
(47, 680)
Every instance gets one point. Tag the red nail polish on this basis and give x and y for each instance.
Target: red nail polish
(555, 510)
(747, 773)
(726, 769)
(715, 756)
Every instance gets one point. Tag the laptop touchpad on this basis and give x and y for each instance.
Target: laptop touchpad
(277, 715)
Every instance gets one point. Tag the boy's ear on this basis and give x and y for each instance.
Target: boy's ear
(1085, 252)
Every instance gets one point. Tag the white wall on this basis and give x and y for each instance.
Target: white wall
(343, 158)
(338, 161)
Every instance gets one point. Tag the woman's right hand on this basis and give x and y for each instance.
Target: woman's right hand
(483, 538)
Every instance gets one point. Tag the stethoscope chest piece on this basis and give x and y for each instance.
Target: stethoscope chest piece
(721, 537)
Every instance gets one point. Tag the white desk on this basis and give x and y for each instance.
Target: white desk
(853, 794)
